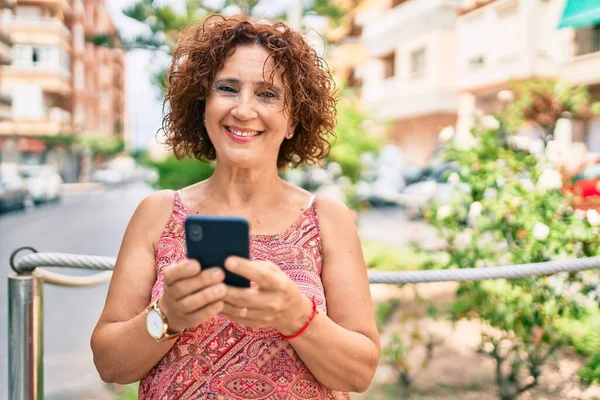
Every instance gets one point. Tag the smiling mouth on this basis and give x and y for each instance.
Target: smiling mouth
(243, 134)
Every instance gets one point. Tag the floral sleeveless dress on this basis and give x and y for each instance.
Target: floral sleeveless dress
(220, 359)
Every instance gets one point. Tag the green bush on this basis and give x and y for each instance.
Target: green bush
(515, 213)
(175, 174)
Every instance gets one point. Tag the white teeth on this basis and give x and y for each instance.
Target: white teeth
(243, 134)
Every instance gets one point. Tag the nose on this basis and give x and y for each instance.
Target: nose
(244, 109)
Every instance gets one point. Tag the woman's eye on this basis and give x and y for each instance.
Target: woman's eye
(268, 95)
(226, 89)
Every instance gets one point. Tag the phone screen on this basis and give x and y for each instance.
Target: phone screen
(211, 239)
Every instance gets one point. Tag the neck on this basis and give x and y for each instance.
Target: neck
(238, 188)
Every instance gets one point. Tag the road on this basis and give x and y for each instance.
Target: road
(91, 223)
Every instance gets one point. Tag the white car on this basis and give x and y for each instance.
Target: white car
(43, 182)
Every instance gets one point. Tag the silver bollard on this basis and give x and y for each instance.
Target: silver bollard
(25, 337)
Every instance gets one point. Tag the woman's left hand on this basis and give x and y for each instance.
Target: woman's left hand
(276, 302)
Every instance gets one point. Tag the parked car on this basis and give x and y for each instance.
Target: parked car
(13, 189)
(43, 182)
(432, 185)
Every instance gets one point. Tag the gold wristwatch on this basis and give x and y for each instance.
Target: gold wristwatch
(156, 323)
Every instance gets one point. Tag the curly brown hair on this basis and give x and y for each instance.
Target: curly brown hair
(201, 51)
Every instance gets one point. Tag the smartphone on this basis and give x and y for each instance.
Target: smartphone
(211, 239)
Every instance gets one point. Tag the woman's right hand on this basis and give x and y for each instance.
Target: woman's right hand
(191, 295)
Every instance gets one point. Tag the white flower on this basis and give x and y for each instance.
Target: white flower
(506, 96)
(540, 231)
(579, 214)
(446, 134)
(536, 147)
(480, 264)
(519, 142)
(443, 212)
(500, 181)
(593, 217)
(489, 122)
(490, 193)
(474, 212)
(465, 141)
(549, 180)
(463, 240)
(475, 209)
(453, 178)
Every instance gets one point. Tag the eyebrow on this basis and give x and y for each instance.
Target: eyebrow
(256, 83)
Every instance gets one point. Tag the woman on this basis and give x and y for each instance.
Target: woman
(255, 98)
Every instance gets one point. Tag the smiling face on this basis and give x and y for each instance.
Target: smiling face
(245, 117)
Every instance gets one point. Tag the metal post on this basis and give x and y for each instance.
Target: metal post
(25, 337)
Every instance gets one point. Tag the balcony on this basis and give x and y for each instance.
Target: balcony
(57, 121)
(409, 20)
(582, 70)
(52, 79)
(391, 99)
(38, 30)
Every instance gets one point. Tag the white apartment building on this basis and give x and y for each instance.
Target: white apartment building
(503, 40)
(423, 55)
(410, 78)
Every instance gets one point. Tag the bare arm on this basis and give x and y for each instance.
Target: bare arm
(123, 349)
(341, 348)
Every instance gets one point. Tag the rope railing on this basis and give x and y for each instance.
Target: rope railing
(32, 262)
(25, 295)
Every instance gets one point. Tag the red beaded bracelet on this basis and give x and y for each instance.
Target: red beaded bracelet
(305, 327)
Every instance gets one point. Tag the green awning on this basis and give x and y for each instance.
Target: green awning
(580, 13)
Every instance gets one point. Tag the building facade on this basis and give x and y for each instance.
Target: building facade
(61, 84)
(425, 56)
(410, 78)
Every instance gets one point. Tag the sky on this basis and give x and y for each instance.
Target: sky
(143, 105)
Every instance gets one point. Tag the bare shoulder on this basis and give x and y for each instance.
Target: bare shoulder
(153, 213)
(336, 221)
(160, 202)
(332, 210)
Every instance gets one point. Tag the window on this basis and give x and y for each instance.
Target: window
(587, 40)
(389, 65)
(417, 63)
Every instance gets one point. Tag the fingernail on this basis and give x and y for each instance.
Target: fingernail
(232, 264)
(216, 273)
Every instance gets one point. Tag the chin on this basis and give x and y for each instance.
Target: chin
(244, 161)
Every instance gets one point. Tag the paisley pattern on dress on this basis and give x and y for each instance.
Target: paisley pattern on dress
(220, 359)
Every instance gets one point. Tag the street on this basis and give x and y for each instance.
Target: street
(92, 224)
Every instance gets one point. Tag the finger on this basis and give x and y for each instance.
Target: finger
(244, 297)
(187, 286)
(206, 312)
(244, 313)
(261, 273)
(180, 270)
(190, 304)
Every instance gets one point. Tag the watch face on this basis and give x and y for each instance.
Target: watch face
(154, 324)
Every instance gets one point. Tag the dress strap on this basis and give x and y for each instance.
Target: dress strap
(311, 200)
